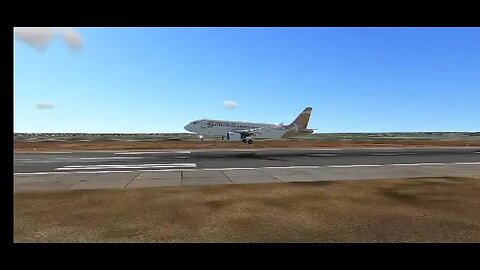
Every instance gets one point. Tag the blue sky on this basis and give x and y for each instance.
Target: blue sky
(159, 79)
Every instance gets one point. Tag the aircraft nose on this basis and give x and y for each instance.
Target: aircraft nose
(188, 127)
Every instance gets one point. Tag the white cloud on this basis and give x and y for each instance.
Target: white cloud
(230, 104)
(40, 37)
(44, 105)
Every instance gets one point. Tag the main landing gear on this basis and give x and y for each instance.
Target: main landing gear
(247, 140)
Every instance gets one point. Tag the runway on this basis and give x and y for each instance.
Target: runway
(244, 158)
(121, 168)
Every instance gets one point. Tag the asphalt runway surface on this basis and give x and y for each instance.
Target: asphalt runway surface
(174, 160)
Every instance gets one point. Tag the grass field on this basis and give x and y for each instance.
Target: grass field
(403, 210)
(81, 141)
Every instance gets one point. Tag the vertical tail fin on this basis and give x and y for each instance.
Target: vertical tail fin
(302, 119)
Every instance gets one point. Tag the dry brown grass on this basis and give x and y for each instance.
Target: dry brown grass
(123, 145)
(420, 210)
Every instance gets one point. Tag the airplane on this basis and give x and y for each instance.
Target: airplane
(246, 131)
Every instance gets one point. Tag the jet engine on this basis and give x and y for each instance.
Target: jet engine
(233, 136)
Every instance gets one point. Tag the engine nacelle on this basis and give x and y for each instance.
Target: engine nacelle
(233, 136)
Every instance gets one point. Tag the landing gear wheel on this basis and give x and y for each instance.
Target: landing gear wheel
(244, 140)
(250, 141)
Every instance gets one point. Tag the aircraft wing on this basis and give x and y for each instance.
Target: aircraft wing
(252, 131)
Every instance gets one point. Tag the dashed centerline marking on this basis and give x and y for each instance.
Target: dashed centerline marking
(152, 152)
(227, 169)
(42, 152)
(143, 165)
(385, 154)
(292, 167)
(101, 158)
(353, 166)
(120, 166)
(433, 164)
(78, 160)
(44, 173)
(468, 163)
(170, 170)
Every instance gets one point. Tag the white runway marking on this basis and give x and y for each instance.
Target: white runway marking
(170, 170)
(40, 173)
(467, 163)
(102, 158)
(319, 149)
(38, 161)
(406, 164)
(44, 173)
(228, 169)
(419, 164)
(54, 152)
(192, 167)
(293, 167)
(476, 152)
(104, 172)
(433, 164)
(152, 152)
(353, 166)
(121, 166)
(54, 160)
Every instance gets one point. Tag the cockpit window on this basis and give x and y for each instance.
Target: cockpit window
(195, 122)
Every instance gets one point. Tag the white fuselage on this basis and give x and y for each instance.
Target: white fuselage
(209, 127)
